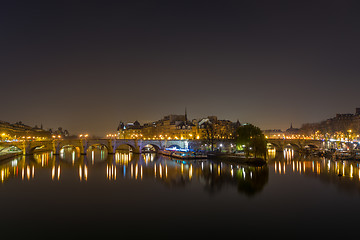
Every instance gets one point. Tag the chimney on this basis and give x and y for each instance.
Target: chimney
(357, 111)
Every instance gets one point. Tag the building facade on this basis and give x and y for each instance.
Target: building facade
(20, 131)
(342, 126)
(176, 127)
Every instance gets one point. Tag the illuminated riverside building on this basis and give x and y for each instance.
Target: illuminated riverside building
(176, 127)
(344, 127)
(290, 133)
(18, 131)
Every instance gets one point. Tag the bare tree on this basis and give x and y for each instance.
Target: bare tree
(210, 134)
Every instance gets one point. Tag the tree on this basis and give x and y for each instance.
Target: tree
(250, 139)
(210, 133)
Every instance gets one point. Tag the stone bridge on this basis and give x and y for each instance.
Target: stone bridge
(28, 147)
(296, 144)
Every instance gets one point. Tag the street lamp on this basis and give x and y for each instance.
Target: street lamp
(83, 135)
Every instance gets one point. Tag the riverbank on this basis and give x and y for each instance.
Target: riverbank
(237, 159)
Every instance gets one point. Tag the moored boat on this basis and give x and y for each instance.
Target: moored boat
(188, 155)
(166, 152)
(344, 155)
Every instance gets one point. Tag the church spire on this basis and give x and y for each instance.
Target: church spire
(185, 115)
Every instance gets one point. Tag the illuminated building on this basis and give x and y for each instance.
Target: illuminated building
(175, 127)
(342, 126)
(19, 130)
(129, 130)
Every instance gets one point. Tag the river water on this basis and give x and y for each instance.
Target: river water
(149, 195)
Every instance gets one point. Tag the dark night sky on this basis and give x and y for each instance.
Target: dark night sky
(87, 65)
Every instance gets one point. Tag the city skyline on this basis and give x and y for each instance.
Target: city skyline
(85, 67)
(337, 124)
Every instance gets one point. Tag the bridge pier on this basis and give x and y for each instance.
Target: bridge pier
(83, 146)
(111, 147)
(26, 148)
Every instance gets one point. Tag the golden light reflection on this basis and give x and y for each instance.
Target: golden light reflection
(155, 170)
(111, 172)
(349, 169)
(160, 170)
(85, 172)
(58, 173)
(53, 173)
(190, 171)
(136, 171)
(80, 172)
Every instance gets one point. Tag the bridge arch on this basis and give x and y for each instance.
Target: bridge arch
(98, 146)
(60, 145)
(174, 146)
(311, 146)
(69, 156)
(293, 146)
(277, 147)
(77, 148)
(41, 147)
(125, 147)
(150, 148)
(11, 148)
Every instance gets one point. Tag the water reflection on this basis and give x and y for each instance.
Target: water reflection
(179, 173)
(332, 171)
(124, 165)
(17, 168)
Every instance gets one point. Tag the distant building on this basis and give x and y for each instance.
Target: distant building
(131, 130)
(175, 127)
(60, 132)
(273, 133)
(340, 124)
(292, 131)
(19, 130)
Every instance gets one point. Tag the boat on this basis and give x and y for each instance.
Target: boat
(182, 153)
(343, 155)
(166, 152)
(188, 155)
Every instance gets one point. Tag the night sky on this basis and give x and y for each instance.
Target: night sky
(87, 65)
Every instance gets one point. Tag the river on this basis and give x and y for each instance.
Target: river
(147, 195)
